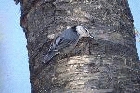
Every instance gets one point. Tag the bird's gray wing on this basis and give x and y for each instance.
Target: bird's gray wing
(65, 43)
(58, 46)
(66, 39)
(61, 43)
(54, 43)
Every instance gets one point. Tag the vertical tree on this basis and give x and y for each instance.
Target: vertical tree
(107, 64)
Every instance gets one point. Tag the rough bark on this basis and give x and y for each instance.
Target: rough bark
(107, 64)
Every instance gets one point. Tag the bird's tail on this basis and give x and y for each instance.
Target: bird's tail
(49, 56)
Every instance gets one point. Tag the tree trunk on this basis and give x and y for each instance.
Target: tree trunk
(105, 64)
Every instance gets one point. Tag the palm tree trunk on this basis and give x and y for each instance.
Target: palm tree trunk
(107, 64)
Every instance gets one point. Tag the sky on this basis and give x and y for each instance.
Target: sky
(14, 68)
(135, 10)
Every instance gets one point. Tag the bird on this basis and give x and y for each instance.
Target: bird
(66, 41)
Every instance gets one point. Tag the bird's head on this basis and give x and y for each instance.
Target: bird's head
(83, 32)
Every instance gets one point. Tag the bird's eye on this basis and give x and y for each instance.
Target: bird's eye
(86, 30)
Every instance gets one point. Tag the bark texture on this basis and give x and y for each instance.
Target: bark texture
(107, 64)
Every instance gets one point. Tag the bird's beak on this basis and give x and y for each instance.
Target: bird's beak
(90, 36)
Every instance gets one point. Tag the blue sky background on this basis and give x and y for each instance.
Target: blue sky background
(14, 68)
(135, 10)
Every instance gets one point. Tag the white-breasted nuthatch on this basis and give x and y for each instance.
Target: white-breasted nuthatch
(66, 41)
